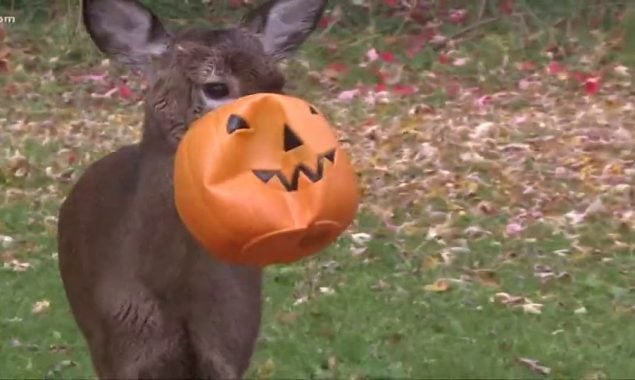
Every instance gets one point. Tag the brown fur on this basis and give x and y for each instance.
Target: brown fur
(149, 300)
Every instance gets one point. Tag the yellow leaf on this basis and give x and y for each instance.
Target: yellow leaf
(586, 171)
(430, 262)
(471, 187)
(440, 285)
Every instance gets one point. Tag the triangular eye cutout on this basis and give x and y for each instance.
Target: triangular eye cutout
(330, 155)
(264, 175)
(235, 123)
(313, 110)
(291, 140)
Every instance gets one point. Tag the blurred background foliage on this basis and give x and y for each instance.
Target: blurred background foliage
(531, 20)
(476, 40)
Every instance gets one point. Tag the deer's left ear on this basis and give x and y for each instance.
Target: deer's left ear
(283, 25)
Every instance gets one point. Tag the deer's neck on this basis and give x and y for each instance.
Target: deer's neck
(156, 169)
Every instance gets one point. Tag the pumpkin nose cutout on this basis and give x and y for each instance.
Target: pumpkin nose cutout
(291, 140)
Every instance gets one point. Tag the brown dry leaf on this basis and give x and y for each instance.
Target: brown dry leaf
(288, 318)
(4, 52)
(19, 165)
(4, 59)
(381, 285)
(4, 66)
(534, 365)
(487, 277)
(7, 256)
(439, 286)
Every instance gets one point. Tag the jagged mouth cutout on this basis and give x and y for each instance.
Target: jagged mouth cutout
(292, 185)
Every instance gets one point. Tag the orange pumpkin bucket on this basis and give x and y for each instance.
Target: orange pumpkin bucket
(263, 180)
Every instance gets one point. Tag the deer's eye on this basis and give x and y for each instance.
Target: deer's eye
(215, 90)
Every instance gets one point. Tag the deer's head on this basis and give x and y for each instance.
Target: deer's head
(198, 69)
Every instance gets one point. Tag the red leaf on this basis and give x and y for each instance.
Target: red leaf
(452, 89)
(457, 16)
(11, 89)
(325, 21)
(416, 44)
(592, 85)
(387, 56)
(4, 66)
(381, 76)
(338, 67)
(444, 59)
(380, 87)
(555, 68)
(391, 3)
(72, 158)
(404, 89)
(125, 92)
(506, 6)
(526, 66)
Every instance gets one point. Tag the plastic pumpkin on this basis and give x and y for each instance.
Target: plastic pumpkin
(263, 180)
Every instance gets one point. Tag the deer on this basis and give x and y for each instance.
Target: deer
(148, 299)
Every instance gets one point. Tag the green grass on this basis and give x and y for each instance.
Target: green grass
(378, 322)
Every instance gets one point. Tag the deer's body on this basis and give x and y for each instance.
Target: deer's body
(149, 300)
(143, 291)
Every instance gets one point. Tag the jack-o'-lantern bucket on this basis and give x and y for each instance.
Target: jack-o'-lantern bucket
(263, 180)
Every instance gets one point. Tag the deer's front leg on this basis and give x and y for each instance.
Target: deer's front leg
(224, 319)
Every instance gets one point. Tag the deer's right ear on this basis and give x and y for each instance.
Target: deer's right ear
(283, 25)
(125, 30)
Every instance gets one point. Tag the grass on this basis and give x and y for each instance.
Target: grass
(437, 288)
(379, 322)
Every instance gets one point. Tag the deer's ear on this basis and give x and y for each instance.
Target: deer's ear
(125, 30)
(283, 25)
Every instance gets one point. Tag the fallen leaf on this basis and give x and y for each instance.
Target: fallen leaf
(592, 85)
(17, 265)
(41, 307)
(440, 285)
(430, 262)
(580, 310)
(535, 366)
(485, 277)
(532, 308)
(514, 229)
(348, 94)
(361, 238)
(288, 318)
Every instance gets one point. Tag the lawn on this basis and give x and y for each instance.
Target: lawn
(495, 237)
